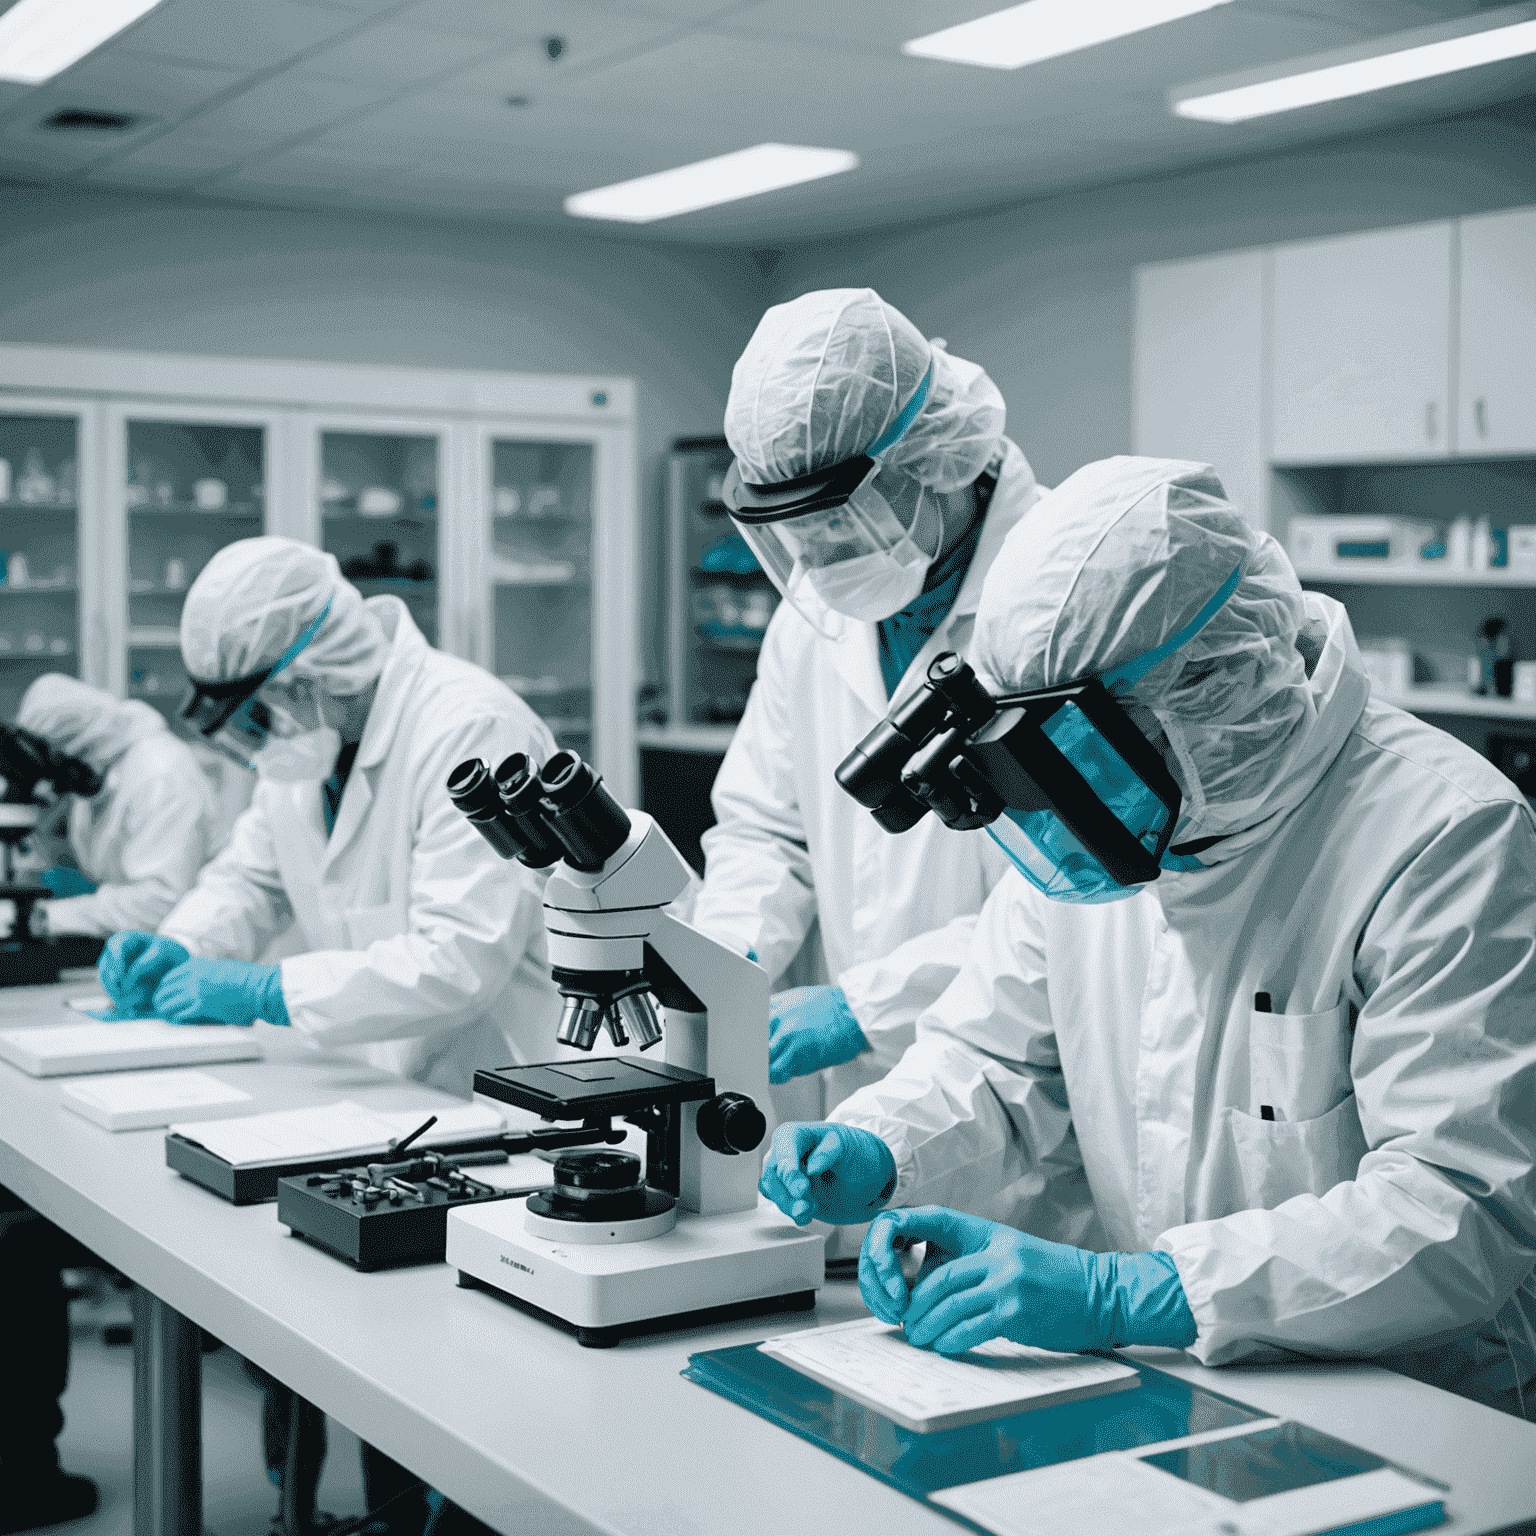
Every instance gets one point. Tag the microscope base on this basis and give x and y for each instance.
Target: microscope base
(706, 1268)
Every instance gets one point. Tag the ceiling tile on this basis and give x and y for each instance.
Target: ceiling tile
(284, 106)
(241, 36)
(125, 81)
(393, 53)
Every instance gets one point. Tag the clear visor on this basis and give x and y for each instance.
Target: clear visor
(889, 522)
(272, 713)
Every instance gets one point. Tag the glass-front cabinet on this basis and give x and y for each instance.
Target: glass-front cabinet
(40, 547)
(189, 487)
(380, 497)
(539, 579)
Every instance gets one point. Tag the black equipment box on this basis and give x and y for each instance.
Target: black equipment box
(388, 1214)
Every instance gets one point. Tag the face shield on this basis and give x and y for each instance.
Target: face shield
(1061, 778)
(857, 537)
(256, 720)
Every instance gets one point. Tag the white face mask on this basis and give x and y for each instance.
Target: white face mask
(871, 587)
(293, 754)
(307, 758)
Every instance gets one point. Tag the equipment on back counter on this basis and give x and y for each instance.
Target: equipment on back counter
(383, 1215)
(604, 1253)
(29, 957)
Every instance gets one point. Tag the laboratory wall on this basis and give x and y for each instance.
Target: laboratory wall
(151, 274)
(1042, 294)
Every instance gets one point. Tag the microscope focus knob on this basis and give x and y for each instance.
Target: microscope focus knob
(731, 1123)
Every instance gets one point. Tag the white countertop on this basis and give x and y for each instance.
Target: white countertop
(521, 1425)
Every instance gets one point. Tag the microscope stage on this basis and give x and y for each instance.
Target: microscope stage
(704, 1262)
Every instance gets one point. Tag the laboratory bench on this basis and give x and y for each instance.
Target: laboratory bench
(512, 1418)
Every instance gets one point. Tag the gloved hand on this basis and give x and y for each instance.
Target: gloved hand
(222, 992)
(981, 1281)
(64, 880)
(835, 1173)
(132, 965)
(810, 1028)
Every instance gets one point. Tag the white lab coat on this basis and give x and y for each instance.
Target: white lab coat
(791, 850)
(1389, 1209)
(148, 831)
(423, 946)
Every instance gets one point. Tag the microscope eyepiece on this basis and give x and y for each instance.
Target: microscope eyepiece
(589, 822)
(473, 791)
(517, 781)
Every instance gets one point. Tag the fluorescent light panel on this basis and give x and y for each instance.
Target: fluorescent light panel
(41, 38)
(1357, 77)
(1045, 29)
(746, 173)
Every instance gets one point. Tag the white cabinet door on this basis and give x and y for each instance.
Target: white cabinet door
(1497, 411)
(1199, 369)
(1361, 356)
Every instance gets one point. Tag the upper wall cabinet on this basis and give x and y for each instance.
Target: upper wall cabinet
(1497, 410)
(1362, 347)
(1199, 379)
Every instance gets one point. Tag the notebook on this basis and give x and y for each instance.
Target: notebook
(135, 1101)
(68, 1050)
(872, 1363)
(327, 1131)
(1278, 1478)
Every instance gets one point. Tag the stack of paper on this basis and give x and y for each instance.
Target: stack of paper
(344, 1129)
(134, 1101)
(66, 1050)
(872, 1363)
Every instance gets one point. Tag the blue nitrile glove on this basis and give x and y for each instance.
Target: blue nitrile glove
(810, 1028)
(981, 1281)
(63, 880)
(222, 992)
(835, 1173)
(133, 964)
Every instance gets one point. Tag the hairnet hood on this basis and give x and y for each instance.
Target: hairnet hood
(256, 597)
(1119, 558)
(824, 375)
(85, 722)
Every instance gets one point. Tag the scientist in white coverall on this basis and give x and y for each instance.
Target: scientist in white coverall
(1302, 1084)
(420, 945)
(139, 842)
(835, 386)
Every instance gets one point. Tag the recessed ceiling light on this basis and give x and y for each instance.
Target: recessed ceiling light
(85, 120)
(519, 101)
(41, 38)
(1044, 29)
(1394, 61)
(746, 173)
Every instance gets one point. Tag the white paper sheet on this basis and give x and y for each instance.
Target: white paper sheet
(872, 1363)
(67, 1050)
(343, 1129)
(94, 1002)
(135, 1101)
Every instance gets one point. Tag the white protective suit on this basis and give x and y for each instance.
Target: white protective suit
(145, 835)
(1377, 879)
(820, 380)
(422, 945)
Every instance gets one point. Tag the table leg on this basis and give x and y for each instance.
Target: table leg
(167, 1420)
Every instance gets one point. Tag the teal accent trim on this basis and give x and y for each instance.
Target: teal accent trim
(1180, 862)
(897, 429)
(1123, 678)
(306, 635)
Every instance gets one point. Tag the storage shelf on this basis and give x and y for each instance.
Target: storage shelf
(1387, 575)
(38, 589)
(236, 512)
(38, 506)
(154, 637)
(686, 738)
(1455, 701)
(568, 725)
(34, 657)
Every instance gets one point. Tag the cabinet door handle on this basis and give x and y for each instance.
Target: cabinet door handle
(1480, 415)
(1431, 421)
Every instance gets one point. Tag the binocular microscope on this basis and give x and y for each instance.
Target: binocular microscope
(28, 958)
(608, 1251)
